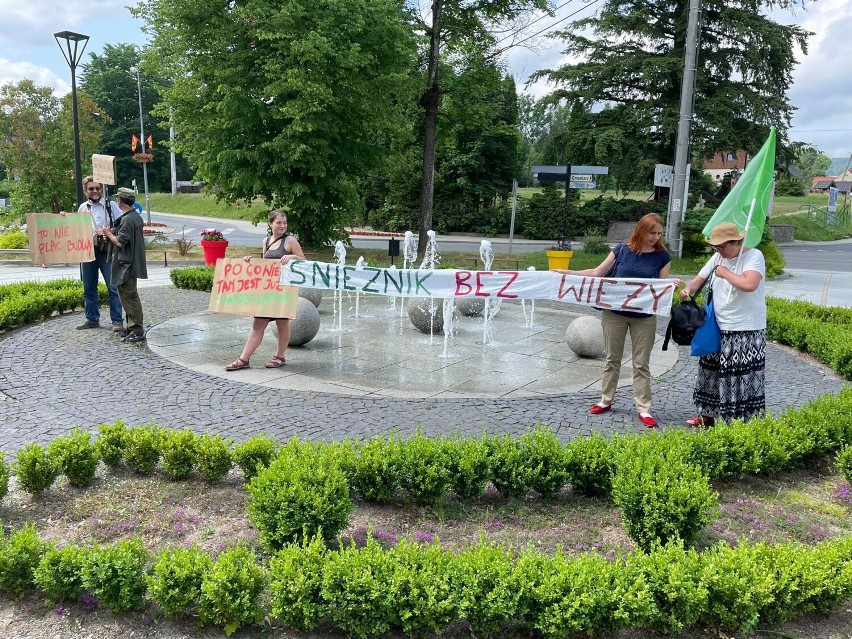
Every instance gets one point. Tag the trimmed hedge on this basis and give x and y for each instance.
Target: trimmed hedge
(823, 331)
(29, 302)
(194, 278)
(414, 588)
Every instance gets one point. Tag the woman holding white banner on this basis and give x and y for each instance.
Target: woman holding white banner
(730, 383)
(642, 256)
(278, 245)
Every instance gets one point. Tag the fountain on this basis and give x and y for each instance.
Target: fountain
(359, 266)
(409, 254)
(340, 259)
(417, 308)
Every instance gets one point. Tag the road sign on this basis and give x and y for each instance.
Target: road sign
(663, 175)
(580, 178)
(582, 185)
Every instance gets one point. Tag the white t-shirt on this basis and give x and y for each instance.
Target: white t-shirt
(98, 213)
(741, 311)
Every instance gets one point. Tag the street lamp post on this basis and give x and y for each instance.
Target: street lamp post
(142, 141)
(73, 53)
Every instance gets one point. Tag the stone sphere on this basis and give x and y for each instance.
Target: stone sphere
(427, 315)
(305, 326)
(471, 306)
(585, 336)
(312, 294)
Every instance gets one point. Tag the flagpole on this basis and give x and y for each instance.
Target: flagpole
(742, 246)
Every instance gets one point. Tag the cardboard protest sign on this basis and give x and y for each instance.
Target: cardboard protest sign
(103, 169)
(60, 239)
(252, 289)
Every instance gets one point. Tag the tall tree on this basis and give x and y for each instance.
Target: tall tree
(286, 100)
(811, 162)
(454, 24)
(109, 80)
(36, 145)
(634, 65)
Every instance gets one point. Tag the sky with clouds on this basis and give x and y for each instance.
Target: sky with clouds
(822, 91)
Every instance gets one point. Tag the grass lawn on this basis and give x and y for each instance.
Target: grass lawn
(203, 206)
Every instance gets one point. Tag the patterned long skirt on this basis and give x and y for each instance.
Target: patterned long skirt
(730, 383)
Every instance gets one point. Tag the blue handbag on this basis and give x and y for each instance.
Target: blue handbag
(708, 337)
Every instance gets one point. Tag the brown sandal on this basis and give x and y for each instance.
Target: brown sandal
(275, 362)
(237, 364)
(700, 420)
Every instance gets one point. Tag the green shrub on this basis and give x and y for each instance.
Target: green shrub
(806, 579)
(675, 582)
(661, 498)
(5, 471)
(587, 594)
(254, 454)
(111, 442)
(470, 466)
(14, 239)
(142, 448)
(196, 278)
(424, 587)
(230, 591)
(589, 464)
(545, 456)
(115, 574)
(491, 587)
(596, 245)
(509, 470)
(174, 582)
(843, 461)
(29, 302)
(295, 584)
(298, 497)
(35, 469)
(75, 457)
(19, 556)
(739, 584)
(178, 450)
(377, 469)
(355, 588)
(59, 574)
(773, 258)
(424, 469)
(213, 456)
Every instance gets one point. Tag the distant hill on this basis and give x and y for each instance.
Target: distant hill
(837, 166)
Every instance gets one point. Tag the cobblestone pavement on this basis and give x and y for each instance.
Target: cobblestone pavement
(53, 378)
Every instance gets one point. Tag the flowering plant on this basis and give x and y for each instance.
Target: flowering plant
(143, 158)
(212, 235)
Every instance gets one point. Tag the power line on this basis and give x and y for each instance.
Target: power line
(792, 128)
(541, 17)
(548, 28)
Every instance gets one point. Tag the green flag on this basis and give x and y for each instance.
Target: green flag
(755, 185)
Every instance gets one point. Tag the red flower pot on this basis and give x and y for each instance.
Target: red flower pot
(213, 250)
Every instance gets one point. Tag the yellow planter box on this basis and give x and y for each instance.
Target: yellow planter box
(558, 259)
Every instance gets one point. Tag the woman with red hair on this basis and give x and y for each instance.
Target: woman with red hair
(642, 256)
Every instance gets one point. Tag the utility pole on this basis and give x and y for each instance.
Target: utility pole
(172, 152)
(680, 179)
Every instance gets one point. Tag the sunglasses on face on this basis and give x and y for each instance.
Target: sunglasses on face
(721, 247)
(93, 188)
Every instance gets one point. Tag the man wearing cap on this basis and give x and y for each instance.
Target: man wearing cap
(128, 261)
(102, 212)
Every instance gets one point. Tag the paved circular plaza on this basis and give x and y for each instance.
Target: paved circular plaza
(367, 378)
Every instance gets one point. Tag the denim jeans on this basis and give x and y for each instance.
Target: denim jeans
(91, 306)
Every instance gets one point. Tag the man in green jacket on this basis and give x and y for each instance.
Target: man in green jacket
(127, 256)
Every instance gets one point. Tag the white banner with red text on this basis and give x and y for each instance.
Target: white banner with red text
(652, 296)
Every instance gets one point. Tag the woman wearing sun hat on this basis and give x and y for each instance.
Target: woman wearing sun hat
(730, 383)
